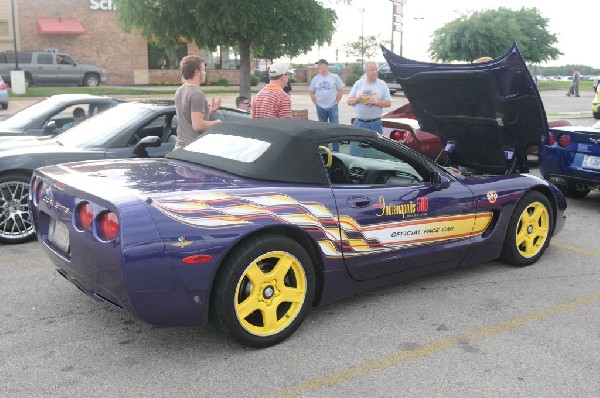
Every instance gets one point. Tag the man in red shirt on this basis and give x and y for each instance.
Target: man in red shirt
(272, 101)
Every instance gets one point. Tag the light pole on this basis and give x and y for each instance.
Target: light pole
(14, 28)
(362, 37)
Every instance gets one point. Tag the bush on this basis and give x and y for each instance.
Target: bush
(350, 80)
(357, 69)
(223, 82)
(254, 80)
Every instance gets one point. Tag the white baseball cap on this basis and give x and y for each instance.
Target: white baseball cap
(279, 69)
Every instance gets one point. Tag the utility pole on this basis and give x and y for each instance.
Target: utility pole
(362, 37)
(14, 28)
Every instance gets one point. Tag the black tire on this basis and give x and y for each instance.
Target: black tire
(263, 258)
(529, 230)
(16, 220)
(28, 81)
(4, 106)
(91, 80)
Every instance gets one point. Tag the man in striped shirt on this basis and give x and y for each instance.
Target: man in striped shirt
(272, 101)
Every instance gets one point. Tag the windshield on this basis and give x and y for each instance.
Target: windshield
(104, 127)
(21, 119)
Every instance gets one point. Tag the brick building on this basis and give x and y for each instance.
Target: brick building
(88, 31)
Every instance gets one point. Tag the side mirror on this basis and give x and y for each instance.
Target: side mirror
(439, 181)
(147, 142)
(50, 127)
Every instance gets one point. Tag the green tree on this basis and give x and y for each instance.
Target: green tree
(365, 47)
(491, 33)
(270, 29)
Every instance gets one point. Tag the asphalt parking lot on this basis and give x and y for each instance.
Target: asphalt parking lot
(489, 330)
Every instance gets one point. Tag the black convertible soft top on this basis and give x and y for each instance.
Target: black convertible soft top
(292, 156)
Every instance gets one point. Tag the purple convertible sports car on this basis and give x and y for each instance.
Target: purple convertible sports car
(259, 220)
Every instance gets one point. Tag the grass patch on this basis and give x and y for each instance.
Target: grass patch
(106, 90)
(563, 85)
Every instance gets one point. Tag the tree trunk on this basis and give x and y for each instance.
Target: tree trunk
(245, 68)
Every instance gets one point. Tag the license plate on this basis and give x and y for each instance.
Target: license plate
(591, 162)
(58, 234)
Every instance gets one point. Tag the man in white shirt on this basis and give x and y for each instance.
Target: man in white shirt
(369, 96)
(326, 93)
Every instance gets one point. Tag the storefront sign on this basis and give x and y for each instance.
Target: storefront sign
(104, 5)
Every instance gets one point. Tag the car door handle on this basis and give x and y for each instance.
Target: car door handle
(358, 201)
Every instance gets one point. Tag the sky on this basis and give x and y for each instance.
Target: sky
(574, 24)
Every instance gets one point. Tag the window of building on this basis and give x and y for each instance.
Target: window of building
(159, 58)
(222, 58)
(3, 27)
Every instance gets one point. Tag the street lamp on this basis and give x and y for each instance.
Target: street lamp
(362, 37)
(12, 9)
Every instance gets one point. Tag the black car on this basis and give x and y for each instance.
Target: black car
(133, 129)
(385, 74)
(48, 116)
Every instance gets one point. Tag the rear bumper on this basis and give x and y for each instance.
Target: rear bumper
(565, 179)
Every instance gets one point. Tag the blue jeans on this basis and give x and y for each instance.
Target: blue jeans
(375, 126)
(330, 115)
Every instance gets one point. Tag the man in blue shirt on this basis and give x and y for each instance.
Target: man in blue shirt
(326, 93)
(369, 96)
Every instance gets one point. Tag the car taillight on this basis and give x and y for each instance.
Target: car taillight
(398, 135)
(3, 86)
(564, 140)
(39, 190)
(551, 138)
(85, 215)
(109, 226)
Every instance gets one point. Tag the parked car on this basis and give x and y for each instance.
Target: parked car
(48, 116)
(385, 74)
(135, 129)
(571, 159)
(44, 67)
(401, 125)
(596, 105)
(258, 220)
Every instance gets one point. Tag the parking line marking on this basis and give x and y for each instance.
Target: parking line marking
(397, 358)
(575, 249)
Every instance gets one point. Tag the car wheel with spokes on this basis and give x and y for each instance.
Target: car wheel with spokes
(263, 290)
(529, 230)
(91, 80)
(16, 222)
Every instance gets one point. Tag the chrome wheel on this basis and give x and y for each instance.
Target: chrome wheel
(92, 81)
(16, 224)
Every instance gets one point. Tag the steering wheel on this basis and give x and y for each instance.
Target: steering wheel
(327, 152)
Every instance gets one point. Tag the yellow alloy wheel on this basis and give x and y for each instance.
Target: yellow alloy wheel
(270, 293)
(532, 229)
